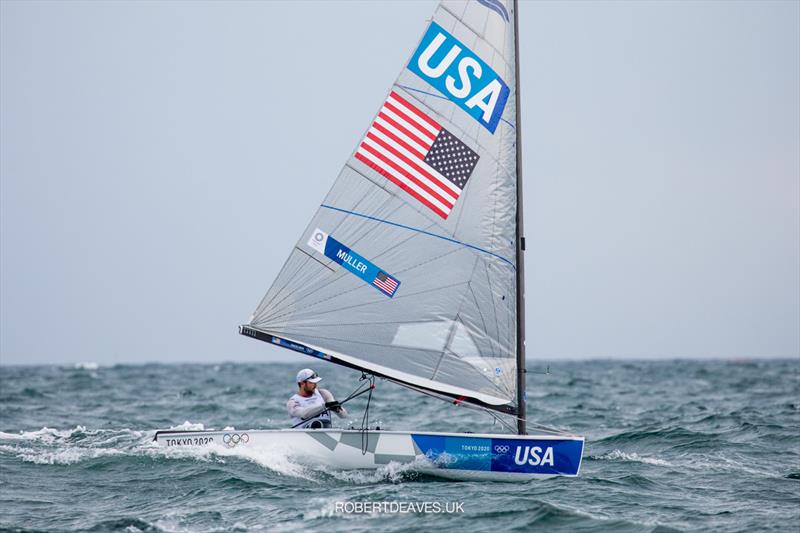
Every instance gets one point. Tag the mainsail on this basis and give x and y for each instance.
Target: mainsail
(408, 269)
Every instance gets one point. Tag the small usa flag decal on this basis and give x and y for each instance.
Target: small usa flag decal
(386, 283)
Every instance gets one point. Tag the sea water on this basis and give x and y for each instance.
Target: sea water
(670, 446)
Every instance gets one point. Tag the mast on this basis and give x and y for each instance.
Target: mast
(521, 416)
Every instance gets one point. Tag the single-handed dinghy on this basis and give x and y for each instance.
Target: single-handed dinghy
(411, 269)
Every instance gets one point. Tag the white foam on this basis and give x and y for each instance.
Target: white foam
(189, 426)
(62, 456)
(86, 366)
(46, 434)
(618, 455)
(720, 463)
(54, 447)
(394, 472)
(277, 459)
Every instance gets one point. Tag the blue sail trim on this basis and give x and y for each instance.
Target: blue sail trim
(383, 221)
(495, 6)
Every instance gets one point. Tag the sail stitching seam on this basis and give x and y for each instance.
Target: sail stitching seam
(455, 241)
(407, 88)
(475, 32)
(339, 309)
(310, 276)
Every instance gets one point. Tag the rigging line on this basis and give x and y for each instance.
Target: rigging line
(412, 89)
(503, 422)
(455, 241)
(549, 429)
(365, 418)
(358, 390)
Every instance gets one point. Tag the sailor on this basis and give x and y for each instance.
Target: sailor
(311, 407)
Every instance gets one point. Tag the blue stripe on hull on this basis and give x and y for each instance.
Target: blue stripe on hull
(526, 456)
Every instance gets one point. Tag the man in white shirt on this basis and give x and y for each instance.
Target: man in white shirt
(311, 407)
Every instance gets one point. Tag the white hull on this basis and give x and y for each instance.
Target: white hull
(451, 455)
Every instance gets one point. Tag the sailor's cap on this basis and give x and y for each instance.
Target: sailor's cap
(308, 375)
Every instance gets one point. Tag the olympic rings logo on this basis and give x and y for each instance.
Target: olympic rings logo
(232, 439)
(501, 448)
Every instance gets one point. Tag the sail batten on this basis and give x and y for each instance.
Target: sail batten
(408, 268)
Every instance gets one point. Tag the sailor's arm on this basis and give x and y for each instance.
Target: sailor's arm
(328, 397)
(295, 409)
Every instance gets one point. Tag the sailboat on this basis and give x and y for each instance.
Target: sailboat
(411, 269)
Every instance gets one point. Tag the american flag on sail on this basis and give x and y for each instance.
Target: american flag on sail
(386, 283)
(418, 155)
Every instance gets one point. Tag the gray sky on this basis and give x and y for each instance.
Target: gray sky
(159, 160)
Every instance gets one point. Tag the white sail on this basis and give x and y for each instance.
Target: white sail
(408, 267)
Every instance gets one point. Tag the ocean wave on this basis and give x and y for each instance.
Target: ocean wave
(393, 472)
(77, 454)
(276, 459)
(619, 455)
(188, 426)
(62, 456)
(49, 446)
(127, 524)
(673, 436)
(47, 435)
(699, 462)
(733, 463)
(86, 366)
